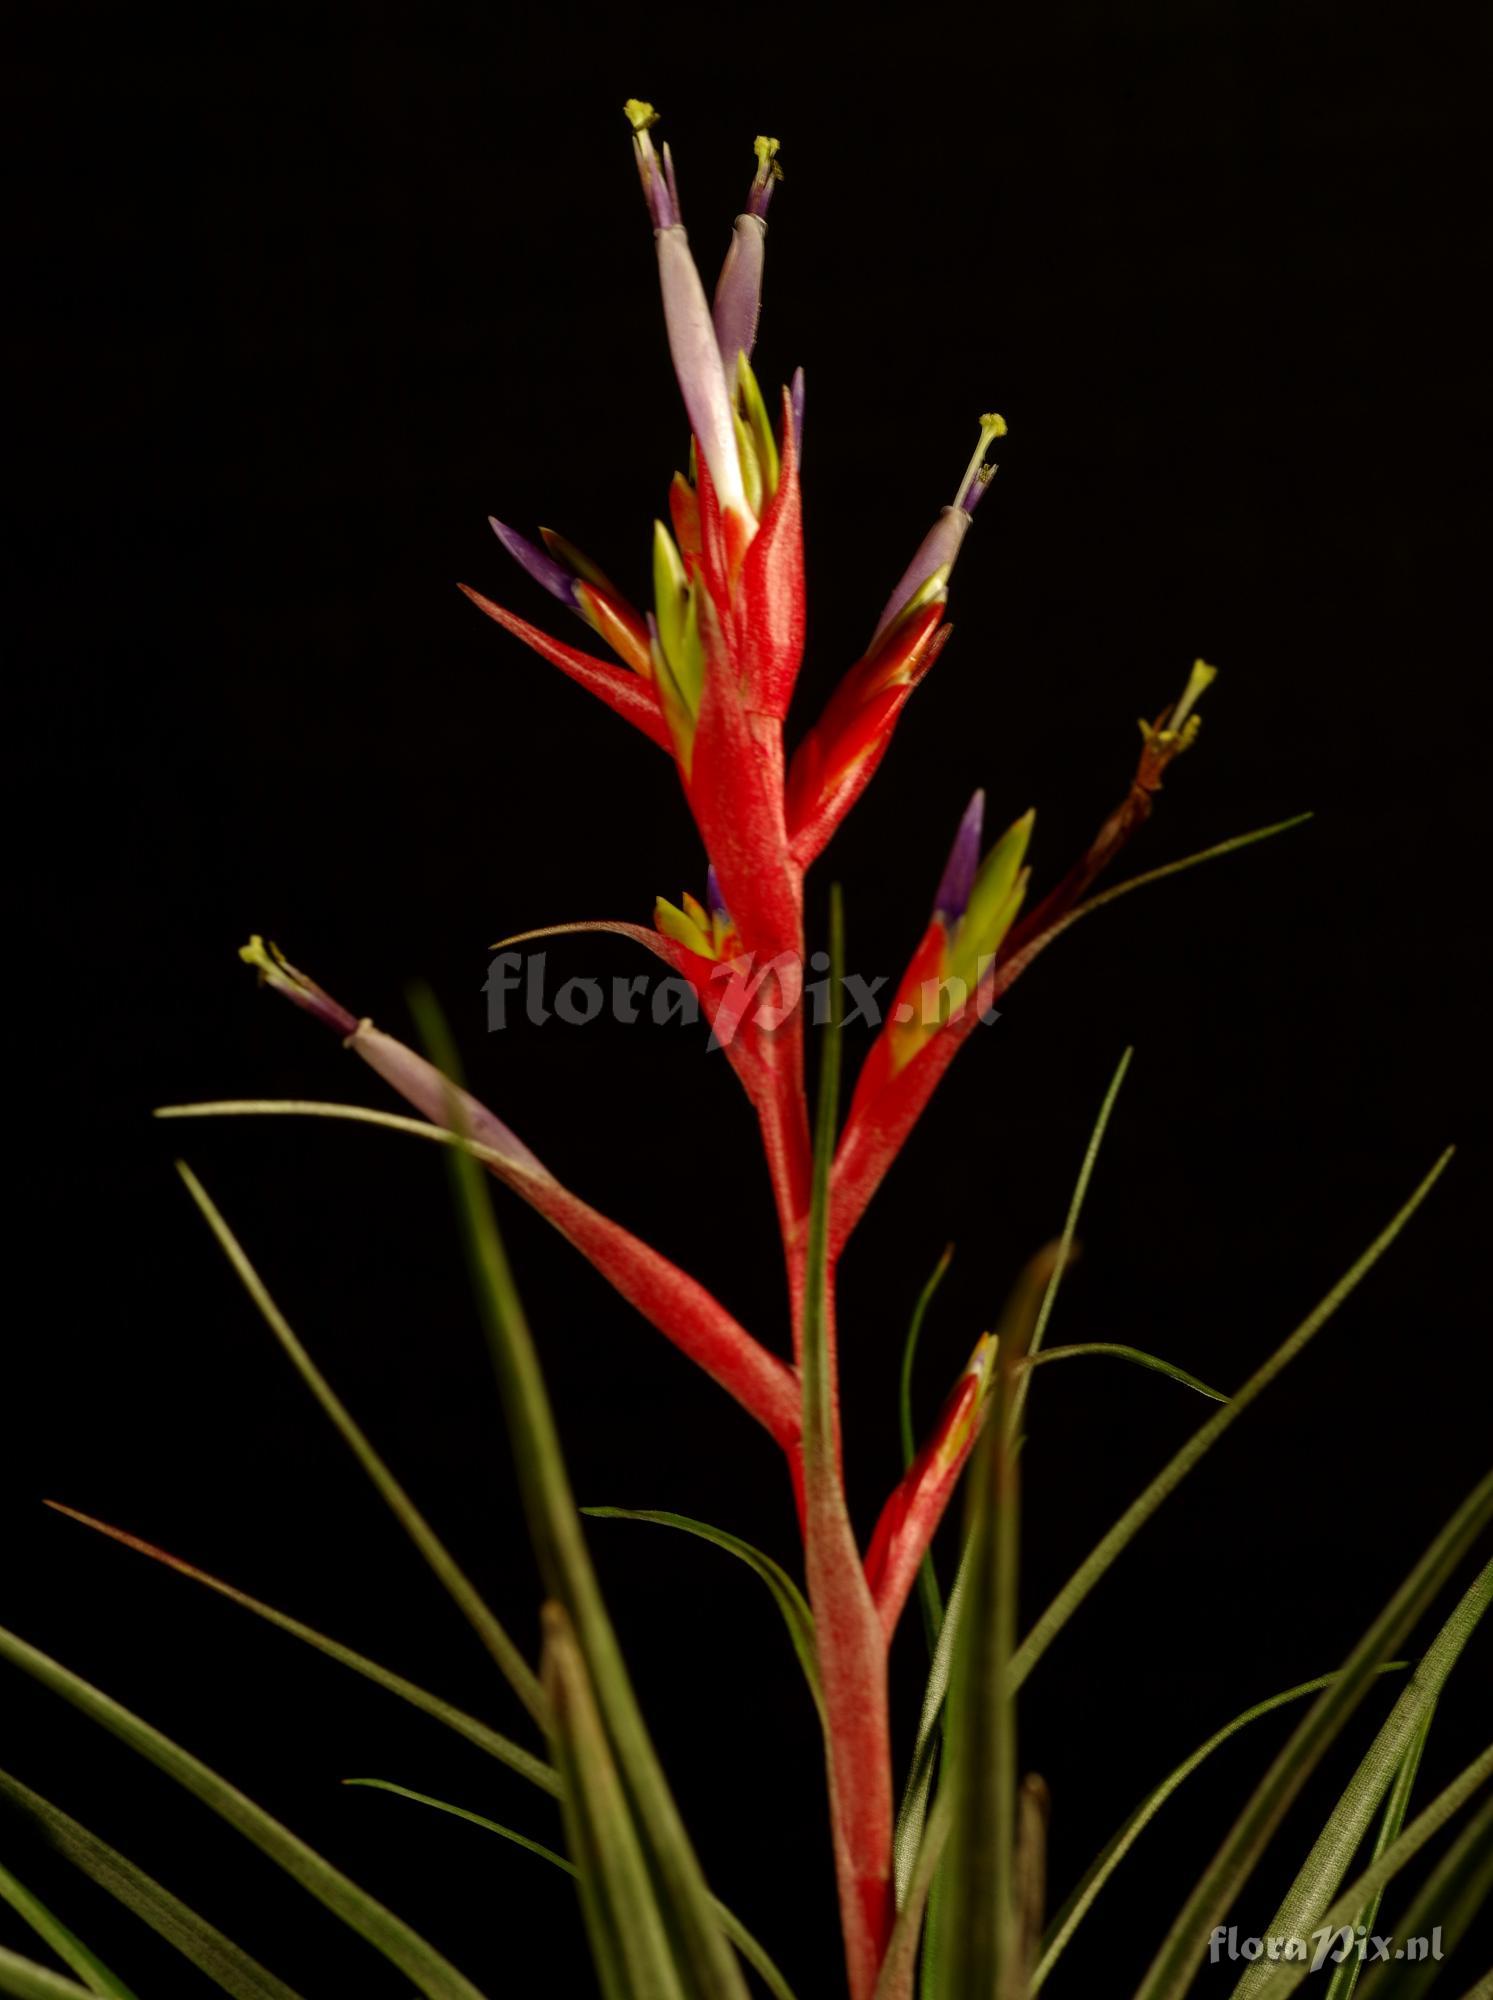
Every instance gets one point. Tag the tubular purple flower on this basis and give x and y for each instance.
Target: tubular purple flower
(692, 342)
(796, 404)
(738, 292)
(939, 548)
(420, 1083)
(276, 971)
(542, 566)
(964, 860)
(416, 1080)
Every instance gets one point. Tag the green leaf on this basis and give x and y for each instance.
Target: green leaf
(980, 1938)
(1214, 853)
(1135, 1354)
(29, 1981)
(95, 1975)
(706, 1963)
(1078, 1904)
(930, 1598)
(1345, 1978)
(1124, 1531)
(1333, 1852)
(1070, 1227)
(218, 1957)
(501, 1747)
(1172, 1971)
(461, 1812)
(463, 1593)
(912, 1813)
(1382, 1870)
(1451, 1896)
(629, 1941)
(740, 1936)
(785, 1592)
(389, 1934)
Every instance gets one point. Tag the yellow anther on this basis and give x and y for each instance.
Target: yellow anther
(640, 115)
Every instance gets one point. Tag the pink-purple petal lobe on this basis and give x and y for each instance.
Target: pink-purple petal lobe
(539, 564)
(964, 859)
(738, 293)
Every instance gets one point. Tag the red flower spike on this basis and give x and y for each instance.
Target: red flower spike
(840, 755)
(681, 1308)
(911, 1516)
(770, 591)
(627, 693)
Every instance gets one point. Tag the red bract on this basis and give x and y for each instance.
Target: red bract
(708, 674)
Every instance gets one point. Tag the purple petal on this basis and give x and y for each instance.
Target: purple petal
(940, 546)
(964, 859)
(540, 565)
(738, 293)
(697, 366)
(714, 900)
(796, 403)
(420, 1083)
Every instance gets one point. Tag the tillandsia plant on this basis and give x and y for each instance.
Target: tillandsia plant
(941, 1893)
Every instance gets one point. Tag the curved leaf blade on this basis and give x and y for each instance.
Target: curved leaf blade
(786, 1594)
(198, 1941)
(74, 1954)
(458, 1586)
(1138, 1355)
(524, 1762)
(434, 1975)
(754, 1953)
(1077, 1905)
(27, 1980)
(1172, 1970)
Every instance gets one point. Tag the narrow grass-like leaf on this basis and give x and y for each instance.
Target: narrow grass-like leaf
(74, 1954)
(462, 1812)
(501, 1747)
(785, 1592)
(1454, 1892)
(27, 1980)
(1383, 1869)
(706, 1962)
(1214, 853)
(1175, 1965)
(214, 1955)
(1070, 1228)
(979, 1939)
(930, 1597)
(404, 1947)
(1078, 1904)
(629, 1940)
(1117, 1540)
(1136, 1354)
(1340, 1839)
(913, 1810)
(899, 1968)
(463, 1593)
(1391, 1824)
(754, 1953)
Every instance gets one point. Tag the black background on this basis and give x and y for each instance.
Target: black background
(303, 295)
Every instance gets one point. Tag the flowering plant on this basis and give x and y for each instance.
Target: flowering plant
(944, 1891)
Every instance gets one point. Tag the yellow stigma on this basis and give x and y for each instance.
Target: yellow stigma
(640, 115)
(1199, 681)
(257, 954)
(992, 426)
(767, 160)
